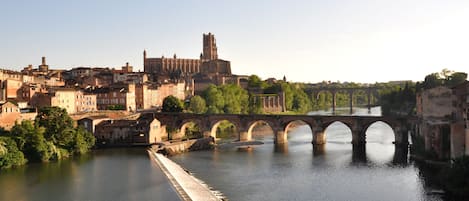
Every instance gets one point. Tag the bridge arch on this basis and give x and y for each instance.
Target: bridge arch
(398, 129)
(341, 126)
(380, 137)
(178, 130)
(289, 125)
(252, 124)
(216, 123)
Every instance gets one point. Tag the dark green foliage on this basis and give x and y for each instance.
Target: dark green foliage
(301, 102)
(230, 99)
(10, 156)
(31, 141)
(236, 99)
(255, 81)
(397, 101)
(116, 107)
(446, 78)
(50, 137)
(55, 120)
(214, 99)
(197, 105)
(172, 104)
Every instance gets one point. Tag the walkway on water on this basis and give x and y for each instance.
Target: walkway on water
(188, 187)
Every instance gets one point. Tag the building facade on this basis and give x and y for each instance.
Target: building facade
(208, 64)
(143, 131)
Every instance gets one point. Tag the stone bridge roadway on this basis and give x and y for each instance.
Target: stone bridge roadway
(281, 123)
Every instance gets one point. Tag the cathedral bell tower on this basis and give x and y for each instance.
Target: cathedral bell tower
(210, 48)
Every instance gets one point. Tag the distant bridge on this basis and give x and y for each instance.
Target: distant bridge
(370, 91)
(280, 125)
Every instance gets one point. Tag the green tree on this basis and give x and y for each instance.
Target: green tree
(236, 99)
(255, 81)
(172, 104)
(10, 155)
(432, 80)
(301, 102)
(33, 144)
(197, 105)
(456, 78)
(55, 120)
(214, 99)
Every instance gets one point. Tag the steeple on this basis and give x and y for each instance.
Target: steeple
(144, 54)
(43, 67)
(210, 47)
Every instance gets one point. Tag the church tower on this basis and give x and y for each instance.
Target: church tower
(210, 48)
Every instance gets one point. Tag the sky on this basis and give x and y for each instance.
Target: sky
(362, 41)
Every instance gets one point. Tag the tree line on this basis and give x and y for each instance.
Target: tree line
(51, 136)
(401, 99)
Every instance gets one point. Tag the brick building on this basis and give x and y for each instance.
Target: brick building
(143, 131)
(207, 65)
(120, 96)
(71, 99)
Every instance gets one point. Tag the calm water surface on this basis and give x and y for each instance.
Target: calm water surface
(104, 175)
(301, 171)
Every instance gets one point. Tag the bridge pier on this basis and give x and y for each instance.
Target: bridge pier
(369, 102)
(319, 149)
(319, 137)
(359, 153)
(358, 138)
(280, 137)
(351, 101)
(333, 102)
(402, 137)
(244, 136)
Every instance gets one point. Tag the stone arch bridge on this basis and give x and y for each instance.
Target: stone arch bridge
(280, 125)
(369, 91)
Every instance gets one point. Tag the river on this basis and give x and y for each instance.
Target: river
(103, 175)
(295, 171)
(301, 171)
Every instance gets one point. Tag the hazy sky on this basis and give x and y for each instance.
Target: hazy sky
(307, 41)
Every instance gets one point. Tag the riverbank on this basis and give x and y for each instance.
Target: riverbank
(187, 186)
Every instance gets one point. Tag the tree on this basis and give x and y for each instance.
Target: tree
(197, 105)
(432, 80)
(172, 104)
(456, 78)
(255, 81)
(214, 99)
(236, 99)
(55, 120)
(301, 102)
(32, 142)
(10, 155)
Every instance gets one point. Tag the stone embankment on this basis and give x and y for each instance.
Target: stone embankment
(187, 186)
(173, 148)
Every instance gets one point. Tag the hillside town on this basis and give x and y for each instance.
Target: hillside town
(95, 94)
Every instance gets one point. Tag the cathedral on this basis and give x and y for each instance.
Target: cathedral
(207, 66)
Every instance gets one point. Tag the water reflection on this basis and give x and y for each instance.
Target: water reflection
(359, 154)
(319, 149)
(113, 174)
(299, 170)
(281, 148)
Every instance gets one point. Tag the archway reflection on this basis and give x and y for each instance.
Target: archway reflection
(380, 148)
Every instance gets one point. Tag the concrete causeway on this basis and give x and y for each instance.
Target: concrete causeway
(188, 187)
